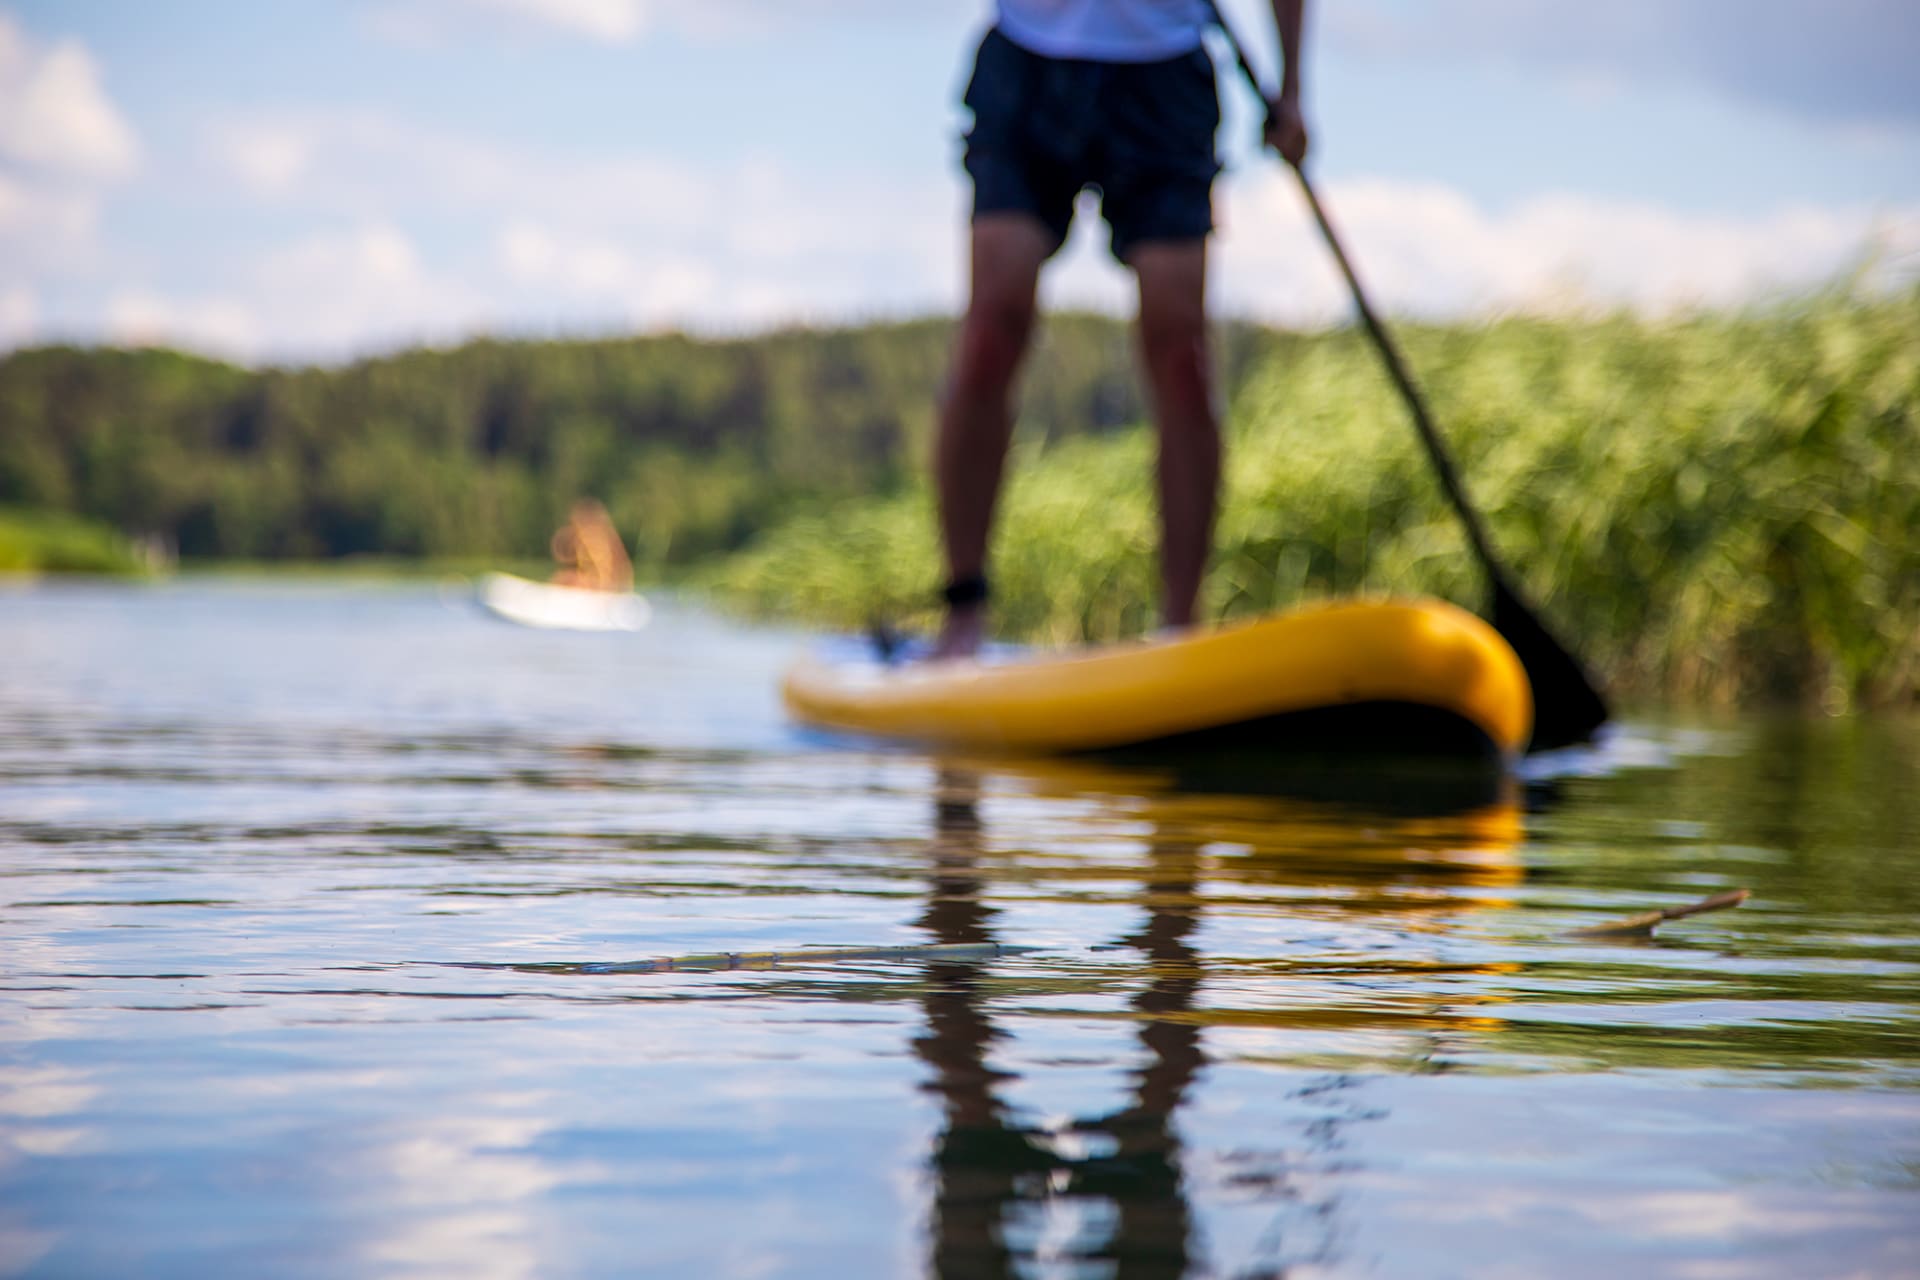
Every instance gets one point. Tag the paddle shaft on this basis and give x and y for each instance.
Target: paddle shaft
(1389, 350)
(1568, 706)
(1416, 403)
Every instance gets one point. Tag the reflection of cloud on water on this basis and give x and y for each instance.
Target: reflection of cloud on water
(1529, 1176)
(1710, 1232)
(39, 1092)
(483, 1244)
(29, 1098)
(20, 1249)
(467, 1195)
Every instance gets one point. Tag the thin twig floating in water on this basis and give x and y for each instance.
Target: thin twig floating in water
(939, 951)
(967, 952)
(1642, 925)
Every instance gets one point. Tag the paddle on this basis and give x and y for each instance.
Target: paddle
(1567, 705)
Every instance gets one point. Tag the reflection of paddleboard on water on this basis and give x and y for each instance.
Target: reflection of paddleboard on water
(1405, 678)
(546, 604)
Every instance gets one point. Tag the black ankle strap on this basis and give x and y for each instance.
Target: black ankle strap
(965, 591)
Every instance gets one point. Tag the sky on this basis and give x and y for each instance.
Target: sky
(314, 180)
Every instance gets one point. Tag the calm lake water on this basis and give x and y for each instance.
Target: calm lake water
(309, 891)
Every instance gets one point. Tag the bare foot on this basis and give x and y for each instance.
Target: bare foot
(962, 634)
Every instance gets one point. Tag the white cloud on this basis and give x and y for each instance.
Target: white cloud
(347, 291)
(613, 21)
(608, 21)
(1428, 250)
(266, 159)
(435, 22)
(1840, 60)
(55, 117)
(376, 260)
(770, 250)
(19, 316)
(218, 326)
(775, 250)
(446, 235)
(533, 255)
(63, 144)
(45, 222)
(331, 294)
(369, 165)
(623, 238)
(1421, 249)
(605, 279)
(1425, 249)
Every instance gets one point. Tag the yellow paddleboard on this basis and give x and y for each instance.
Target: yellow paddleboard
(1277, 681)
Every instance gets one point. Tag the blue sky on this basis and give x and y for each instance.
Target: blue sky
(313, 179)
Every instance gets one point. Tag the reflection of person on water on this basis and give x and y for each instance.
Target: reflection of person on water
(589, 551)
(992, 1171)
(1117, 1190)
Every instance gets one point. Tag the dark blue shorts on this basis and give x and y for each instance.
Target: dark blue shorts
(1141, 133)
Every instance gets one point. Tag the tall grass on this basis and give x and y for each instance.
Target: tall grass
(53, 542)
(1718, 508)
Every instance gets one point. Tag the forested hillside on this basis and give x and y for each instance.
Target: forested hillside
(695, 445)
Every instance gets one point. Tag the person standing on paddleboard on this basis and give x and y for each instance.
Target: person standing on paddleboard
(1118, 96)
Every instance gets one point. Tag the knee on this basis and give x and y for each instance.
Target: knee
(1175, 344)
(993, 337)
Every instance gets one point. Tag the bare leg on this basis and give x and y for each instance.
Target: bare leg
(1173, 343)
(976, 417)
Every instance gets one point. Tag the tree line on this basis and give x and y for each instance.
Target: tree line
(695, 445)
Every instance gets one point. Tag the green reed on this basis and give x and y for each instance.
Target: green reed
(53, 542)
(1715, 508)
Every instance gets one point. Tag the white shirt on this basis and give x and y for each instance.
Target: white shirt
(1105, 30)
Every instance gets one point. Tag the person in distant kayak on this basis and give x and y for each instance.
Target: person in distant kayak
(589, 551)
(1117, 95)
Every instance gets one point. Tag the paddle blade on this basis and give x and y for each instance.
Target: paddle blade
(1567, 706)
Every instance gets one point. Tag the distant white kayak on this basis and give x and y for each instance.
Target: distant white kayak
(544, 604)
